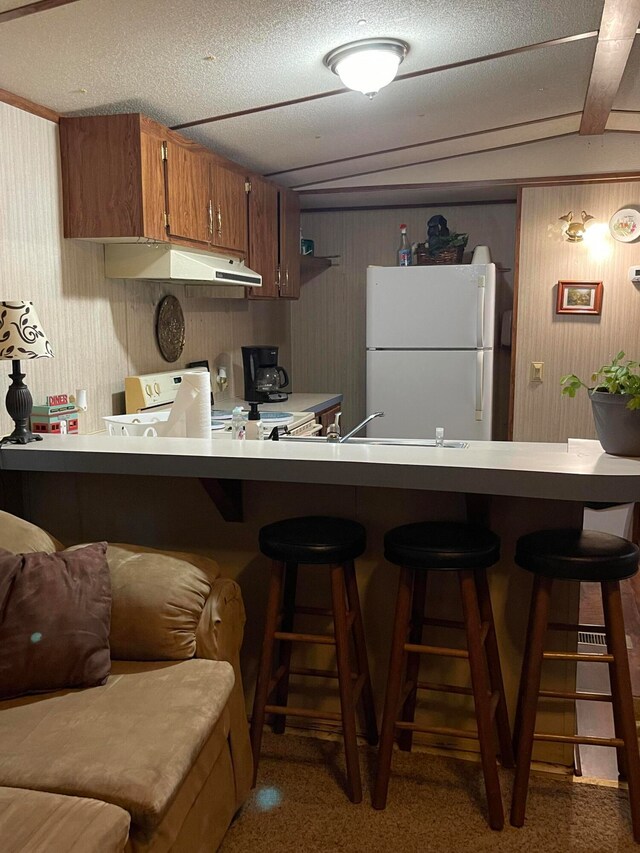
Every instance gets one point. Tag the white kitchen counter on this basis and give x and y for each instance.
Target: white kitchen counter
(296, 403)
(580, 472)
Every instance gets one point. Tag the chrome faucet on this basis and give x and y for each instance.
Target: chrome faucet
(360, 426)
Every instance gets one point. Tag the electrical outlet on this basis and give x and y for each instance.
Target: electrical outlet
(536, 371)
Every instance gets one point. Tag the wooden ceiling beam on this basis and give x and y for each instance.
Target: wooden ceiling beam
(618, 29)
(32, 8)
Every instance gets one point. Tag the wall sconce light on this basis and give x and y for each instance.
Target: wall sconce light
(574, 231)
(367, 65)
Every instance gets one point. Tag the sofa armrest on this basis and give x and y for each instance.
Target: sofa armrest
(219, 637)
(221, 626)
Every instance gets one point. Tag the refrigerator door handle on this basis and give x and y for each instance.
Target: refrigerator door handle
(479, 385)
(480, 315)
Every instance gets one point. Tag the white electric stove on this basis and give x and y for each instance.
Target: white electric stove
(151, 392)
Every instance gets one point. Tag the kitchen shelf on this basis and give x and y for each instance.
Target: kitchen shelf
(311, 266)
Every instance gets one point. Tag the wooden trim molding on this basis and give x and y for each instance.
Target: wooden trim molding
(615, 39)
(28, 106)
(514, 319)
(412, 205)
(32, 8)
(547, 181)
(409, 76)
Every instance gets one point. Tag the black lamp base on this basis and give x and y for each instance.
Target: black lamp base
(19, 404)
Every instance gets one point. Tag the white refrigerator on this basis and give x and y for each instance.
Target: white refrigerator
(430, 336)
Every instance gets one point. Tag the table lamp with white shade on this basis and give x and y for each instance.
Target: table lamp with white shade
(21, 337)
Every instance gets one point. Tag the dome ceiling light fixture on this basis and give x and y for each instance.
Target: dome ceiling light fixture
(367, 65)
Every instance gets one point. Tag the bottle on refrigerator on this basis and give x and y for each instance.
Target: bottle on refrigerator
(405, 255)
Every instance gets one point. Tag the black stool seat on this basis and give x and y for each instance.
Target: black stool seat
(579, 555)
(442, 546)
(313, 539)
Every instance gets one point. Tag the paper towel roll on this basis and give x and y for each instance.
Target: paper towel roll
(191, 411)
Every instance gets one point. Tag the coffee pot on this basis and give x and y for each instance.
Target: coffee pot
(271, 379)
(263, 376)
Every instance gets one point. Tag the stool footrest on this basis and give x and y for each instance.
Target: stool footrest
(436, 730)
(283, 710)
(566, 694)
(322, 639)
(591, 741)
(436, 650)
(577, 656)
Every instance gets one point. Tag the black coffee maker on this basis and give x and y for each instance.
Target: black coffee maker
(263, 376)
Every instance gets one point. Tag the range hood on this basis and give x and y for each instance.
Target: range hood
(168, 262)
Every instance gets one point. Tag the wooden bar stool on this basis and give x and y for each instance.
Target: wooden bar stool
(333, 542)
(467, 550)
(576, 555)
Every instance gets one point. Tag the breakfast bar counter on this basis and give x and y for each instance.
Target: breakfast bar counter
(577, 471)
(150, 491)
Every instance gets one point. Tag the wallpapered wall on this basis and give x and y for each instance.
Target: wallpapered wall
(566, 343)
(101, 330)
(328, 323)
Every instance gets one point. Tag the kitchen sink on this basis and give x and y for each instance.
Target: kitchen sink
(395, 442)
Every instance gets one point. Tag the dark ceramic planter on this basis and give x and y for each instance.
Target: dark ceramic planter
(618, 428)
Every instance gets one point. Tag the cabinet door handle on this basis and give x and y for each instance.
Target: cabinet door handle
(219, 222)
(278, 279)
(210, 218)
(286, 279)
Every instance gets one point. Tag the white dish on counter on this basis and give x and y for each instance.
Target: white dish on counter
(140, 424)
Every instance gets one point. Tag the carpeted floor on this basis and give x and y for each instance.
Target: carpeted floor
(436, 805)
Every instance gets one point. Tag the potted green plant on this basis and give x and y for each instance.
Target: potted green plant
(615, 401)
(441, 245)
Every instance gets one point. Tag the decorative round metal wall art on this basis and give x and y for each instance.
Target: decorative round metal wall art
(170, 328)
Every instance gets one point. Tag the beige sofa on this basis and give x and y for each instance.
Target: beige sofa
(157, 759)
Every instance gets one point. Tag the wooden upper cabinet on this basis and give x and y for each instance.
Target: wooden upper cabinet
(229, 208)
(126, 177)
(112, 178)
(263, 237)
(188, 196)
(289, 217)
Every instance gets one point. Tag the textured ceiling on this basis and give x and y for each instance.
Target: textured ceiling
(152, 51)
(473, 98)
(181, 62)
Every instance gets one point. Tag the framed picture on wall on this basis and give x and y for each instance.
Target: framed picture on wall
(579, 297)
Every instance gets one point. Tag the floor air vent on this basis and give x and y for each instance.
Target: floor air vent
(592, 638)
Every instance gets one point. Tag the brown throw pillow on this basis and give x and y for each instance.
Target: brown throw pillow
(55, 614)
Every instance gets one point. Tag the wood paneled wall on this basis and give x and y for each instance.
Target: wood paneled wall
(565, 343)
(328, 323)
(101, 329)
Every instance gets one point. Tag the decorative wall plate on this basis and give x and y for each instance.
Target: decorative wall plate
(624, 225)
(170, 328)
